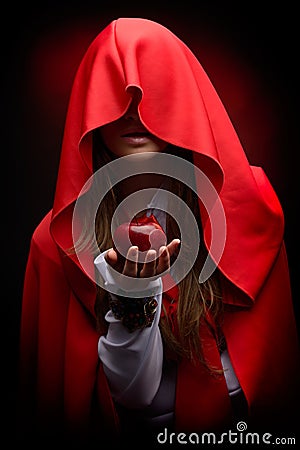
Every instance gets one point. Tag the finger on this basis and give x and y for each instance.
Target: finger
(163, 260)
(114, 260)
(111, 257)
(149, 267)
(173, 247)
(130, 266)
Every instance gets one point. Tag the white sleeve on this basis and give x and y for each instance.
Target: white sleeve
(133, 361)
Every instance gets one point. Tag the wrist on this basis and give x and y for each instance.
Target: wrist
(118, 284)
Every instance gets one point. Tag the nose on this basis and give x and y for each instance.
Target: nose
(132, 116)
(132, 112)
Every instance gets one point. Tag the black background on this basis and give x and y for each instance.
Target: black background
(262, 48)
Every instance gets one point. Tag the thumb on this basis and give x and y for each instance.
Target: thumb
(111, 257)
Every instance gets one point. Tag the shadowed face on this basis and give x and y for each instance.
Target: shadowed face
(128, 135)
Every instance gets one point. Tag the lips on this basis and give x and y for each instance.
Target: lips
(136, 137)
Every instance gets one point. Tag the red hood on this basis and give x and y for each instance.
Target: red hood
(179, 105)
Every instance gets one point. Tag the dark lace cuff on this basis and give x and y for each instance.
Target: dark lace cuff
(134, 313)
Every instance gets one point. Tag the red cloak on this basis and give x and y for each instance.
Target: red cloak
(59, 367)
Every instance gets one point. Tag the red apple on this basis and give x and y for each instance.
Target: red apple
(144, 232)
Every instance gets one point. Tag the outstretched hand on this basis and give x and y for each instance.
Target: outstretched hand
(154, 264)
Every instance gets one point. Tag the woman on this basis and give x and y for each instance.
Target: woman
(147, 136)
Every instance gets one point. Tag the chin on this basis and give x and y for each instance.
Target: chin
(140, 154)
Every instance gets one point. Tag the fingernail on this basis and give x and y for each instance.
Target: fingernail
(134, 251)
(151, 255)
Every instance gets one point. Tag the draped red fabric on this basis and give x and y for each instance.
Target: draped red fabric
(58, 333)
